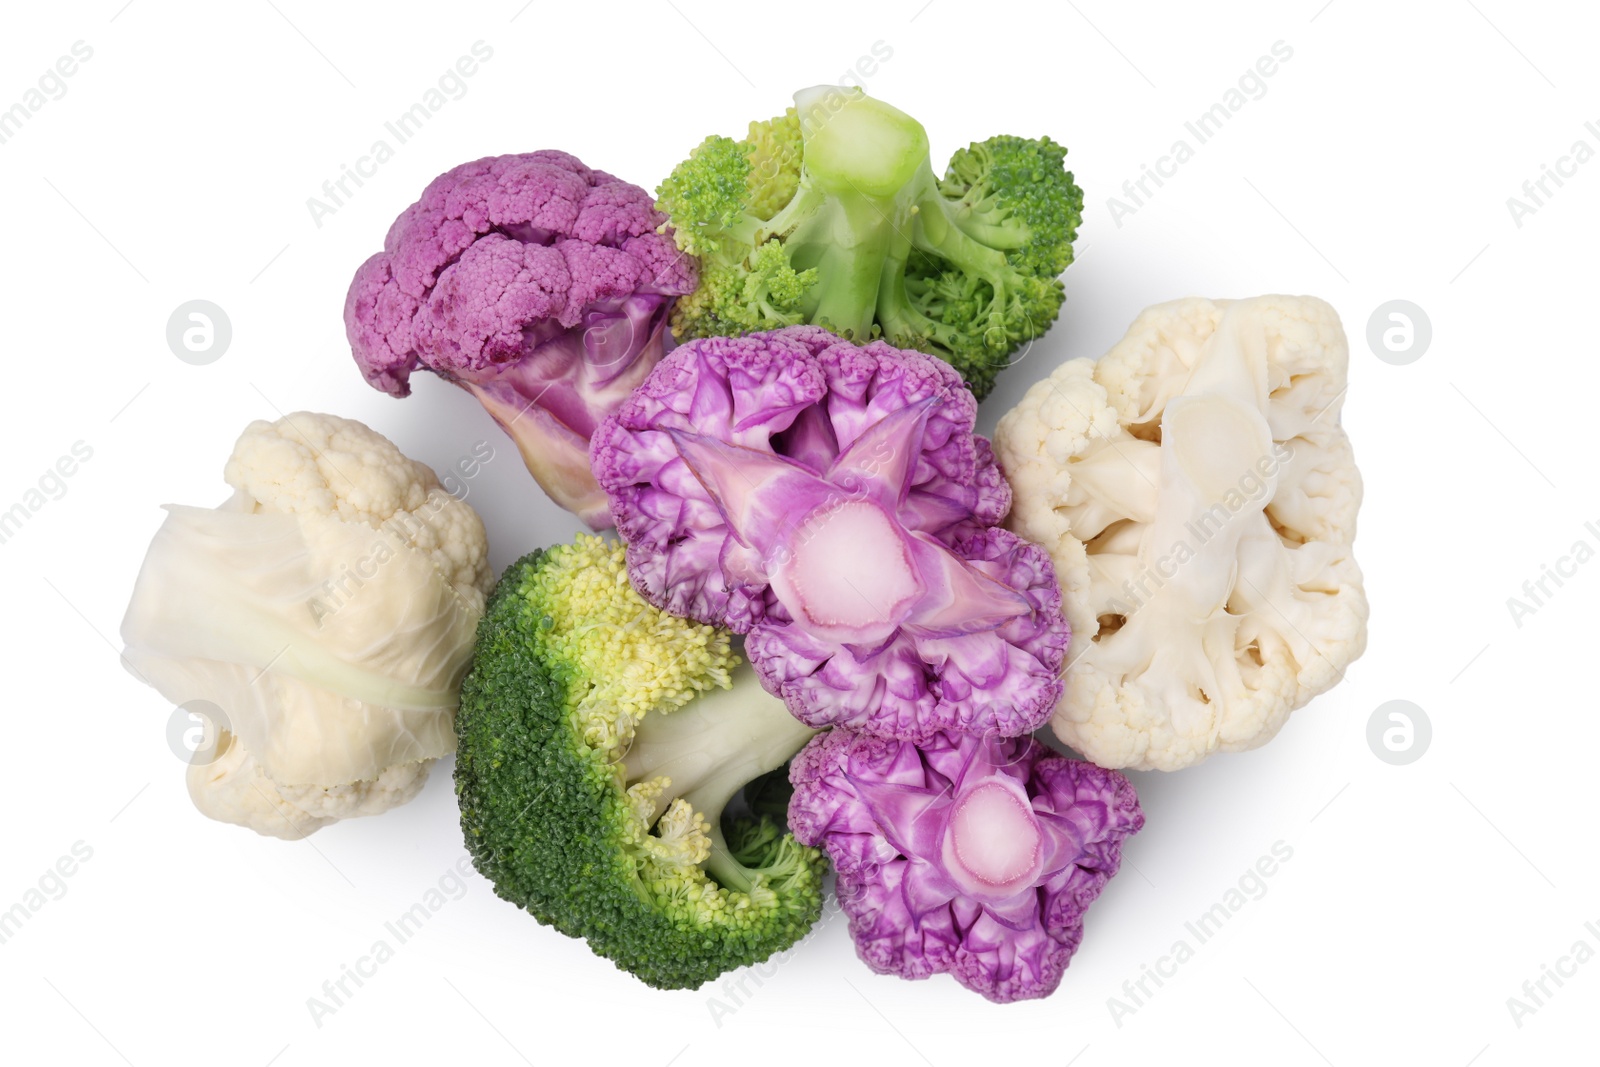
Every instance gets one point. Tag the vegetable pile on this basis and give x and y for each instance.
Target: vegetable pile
(819, 651)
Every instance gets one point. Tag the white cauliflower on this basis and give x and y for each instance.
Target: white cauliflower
(1199, 497)
(232, 787)
(328, 609)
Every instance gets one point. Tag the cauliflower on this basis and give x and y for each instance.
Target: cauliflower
(1199, 497)
(831, 503)
(232, 787)
(973, 856)
(328, 609)
(537, 284)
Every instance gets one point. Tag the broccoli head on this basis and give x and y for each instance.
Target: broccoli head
(600, 741)
(831, 215)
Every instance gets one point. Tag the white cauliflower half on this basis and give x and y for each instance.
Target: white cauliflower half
(328, 610)
(1199, 497)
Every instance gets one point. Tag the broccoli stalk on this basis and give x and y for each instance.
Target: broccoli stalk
(600, 742)
(867, 240)
(708, 752)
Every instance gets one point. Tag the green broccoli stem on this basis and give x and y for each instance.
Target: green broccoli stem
(866, 167)
(860, 245)
(940, 234)
(753, 231)
(981, 218)
(903, 323)
(936, 232)
(1003, 234)
(710, 749)
(848, 242)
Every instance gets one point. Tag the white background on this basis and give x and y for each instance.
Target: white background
(1377, 166)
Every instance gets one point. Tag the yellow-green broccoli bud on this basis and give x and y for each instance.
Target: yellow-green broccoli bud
(773, 149)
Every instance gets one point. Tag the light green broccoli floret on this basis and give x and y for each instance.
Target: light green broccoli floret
(719, 197)
(872, 243)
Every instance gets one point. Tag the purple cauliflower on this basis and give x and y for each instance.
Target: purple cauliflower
(536, 284)
(972, 856)
(832, 503)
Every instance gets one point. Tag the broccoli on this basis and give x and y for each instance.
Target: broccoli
(831, 215)
(591, 800)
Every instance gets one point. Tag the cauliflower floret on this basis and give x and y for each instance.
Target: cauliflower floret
(1199, 498)
(328, 609)
(233, 788)
(537, 284)
(322, 465)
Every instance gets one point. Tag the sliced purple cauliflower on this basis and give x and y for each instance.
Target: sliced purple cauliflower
(832, 503)
(538, 285)
(972, 856)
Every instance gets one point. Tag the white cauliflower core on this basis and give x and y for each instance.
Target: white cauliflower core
(328, 608)
(1199, 497)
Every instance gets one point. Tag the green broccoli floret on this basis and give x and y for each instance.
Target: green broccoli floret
(760, 292)
(599, 742)
(721, 195)
(831, 214)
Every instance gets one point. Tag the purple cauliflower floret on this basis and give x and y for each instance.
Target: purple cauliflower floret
(538, 285)
(972, 856)
(832, 503)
